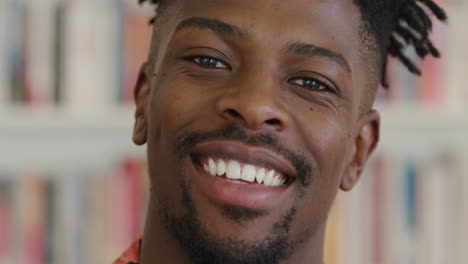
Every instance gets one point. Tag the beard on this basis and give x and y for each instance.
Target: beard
(203, 247)
(193, 236)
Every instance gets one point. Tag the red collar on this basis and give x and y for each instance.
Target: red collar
(131, 255)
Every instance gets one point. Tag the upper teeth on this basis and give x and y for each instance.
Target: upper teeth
(236, 170)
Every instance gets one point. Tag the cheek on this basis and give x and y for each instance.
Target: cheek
(174, 105)
(171, 109)
(324, 140)
(174, 108)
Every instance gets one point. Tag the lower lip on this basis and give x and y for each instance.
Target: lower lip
(254, 196)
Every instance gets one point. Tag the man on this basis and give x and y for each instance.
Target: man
(255, 114)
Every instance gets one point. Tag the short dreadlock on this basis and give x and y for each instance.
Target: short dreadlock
(395, 24)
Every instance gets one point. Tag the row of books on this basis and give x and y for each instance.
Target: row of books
(82, 216)
(79, 54)
(88, 53)
(403, 211)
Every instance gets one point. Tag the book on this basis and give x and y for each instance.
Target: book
(16, 34)
(6, 220)
(455, 55)
(31, 209)
(38, 51)
(89, 75)
(136, 39)
(4, 56)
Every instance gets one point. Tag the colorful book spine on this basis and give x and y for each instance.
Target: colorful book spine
(6, 220)
(4, 57)
(136, 41)
(38, 51)
(89, 77)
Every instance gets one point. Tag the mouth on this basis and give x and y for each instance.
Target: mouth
(238, 174)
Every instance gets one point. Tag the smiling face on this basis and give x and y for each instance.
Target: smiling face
(252, 111)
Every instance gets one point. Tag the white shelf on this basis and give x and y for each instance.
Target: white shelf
(48, 139)
(57, 139)
(421, 129)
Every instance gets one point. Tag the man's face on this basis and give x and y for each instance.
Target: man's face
(265, 85)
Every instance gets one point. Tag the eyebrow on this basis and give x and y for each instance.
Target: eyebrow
(214, 25)
(314, 51)
(227, 29)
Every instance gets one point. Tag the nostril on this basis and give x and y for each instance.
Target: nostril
(233, 113)
(255, 120)
(273, 121)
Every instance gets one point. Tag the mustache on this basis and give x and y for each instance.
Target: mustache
(185, 141)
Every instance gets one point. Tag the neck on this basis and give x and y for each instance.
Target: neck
(159, 245)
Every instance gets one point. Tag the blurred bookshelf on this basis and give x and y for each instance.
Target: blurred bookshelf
(51, 138)
(67, 70)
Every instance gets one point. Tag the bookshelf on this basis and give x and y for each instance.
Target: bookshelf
(50, 138)
(67, 146)
(415, 129)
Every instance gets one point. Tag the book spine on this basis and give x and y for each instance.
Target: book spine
(6, 221)
(89, 67)
(51, 212)
(39, 53)
(136, 45)
(74, 216)
(456, 56)
(16, 35)
(5, 81)
(31, 206)
(463, 232)
(431, 212)
(431, 87)
(58, 55)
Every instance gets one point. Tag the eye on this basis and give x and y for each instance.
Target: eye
(208, 62)
(312, 84)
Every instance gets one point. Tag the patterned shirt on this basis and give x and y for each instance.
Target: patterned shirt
(131, 255)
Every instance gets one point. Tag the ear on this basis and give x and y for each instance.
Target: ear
(365, 143)
(141, 95)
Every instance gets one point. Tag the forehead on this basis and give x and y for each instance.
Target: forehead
(334, 24)
(273, 24)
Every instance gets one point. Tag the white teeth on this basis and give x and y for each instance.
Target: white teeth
(273, 181)
(268, 180)
(221, 167)
(233, 170)
(212, 167)
(282, 181)
(260, 175)
(248, 173)
(276, 181)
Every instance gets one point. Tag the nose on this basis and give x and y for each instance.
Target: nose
(255, 101)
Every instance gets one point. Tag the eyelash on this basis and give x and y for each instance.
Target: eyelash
(198, 59)
(325, 86)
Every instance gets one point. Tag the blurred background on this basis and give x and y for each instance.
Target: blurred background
(73, 187)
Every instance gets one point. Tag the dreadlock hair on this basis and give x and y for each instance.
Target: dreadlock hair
(395, 24)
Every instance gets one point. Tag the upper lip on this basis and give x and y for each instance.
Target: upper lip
(253, 155)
